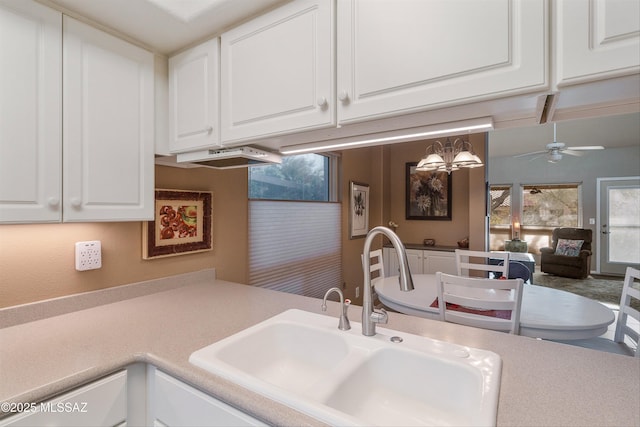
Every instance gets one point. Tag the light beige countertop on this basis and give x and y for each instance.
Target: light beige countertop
(543, 383)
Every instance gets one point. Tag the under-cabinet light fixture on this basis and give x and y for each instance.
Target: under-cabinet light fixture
(390, 137)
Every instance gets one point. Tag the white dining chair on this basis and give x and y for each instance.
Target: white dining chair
(464, 262)
(626, 327)
(376, 265)
(480, 302)
(376, 270)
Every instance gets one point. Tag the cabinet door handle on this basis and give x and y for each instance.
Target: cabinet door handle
(322, 102)
(209, 130)
(76, 202)
(343, 96)
(53, 202)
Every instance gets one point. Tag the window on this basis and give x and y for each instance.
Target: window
(500, 214)
(295, 240)
(304, 177)
(551, 205)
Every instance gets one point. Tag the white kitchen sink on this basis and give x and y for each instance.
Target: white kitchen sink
(303, 360)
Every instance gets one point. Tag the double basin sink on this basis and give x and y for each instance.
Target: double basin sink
(304, 361)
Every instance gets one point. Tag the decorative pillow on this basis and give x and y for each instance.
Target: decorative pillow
(569, 247)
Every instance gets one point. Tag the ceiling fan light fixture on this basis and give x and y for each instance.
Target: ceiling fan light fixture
(554, 150)
(554, 157)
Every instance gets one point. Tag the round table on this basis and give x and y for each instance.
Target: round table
(546, 313)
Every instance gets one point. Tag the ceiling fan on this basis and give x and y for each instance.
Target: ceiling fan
(555, 149)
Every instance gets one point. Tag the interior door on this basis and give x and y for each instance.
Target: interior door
(619, 220)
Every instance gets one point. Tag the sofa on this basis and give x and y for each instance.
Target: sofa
(569, 255)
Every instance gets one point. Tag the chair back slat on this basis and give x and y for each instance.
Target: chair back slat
(376, 265)
(480, 302)
(465, 262)
(623, 326)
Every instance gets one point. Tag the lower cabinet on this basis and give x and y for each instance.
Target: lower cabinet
(139, 395)
(174, 403)
(100, 403)
(420, 261)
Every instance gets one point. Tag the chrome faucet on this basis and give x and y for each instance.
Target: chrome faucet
(343, 323)
(370, 316)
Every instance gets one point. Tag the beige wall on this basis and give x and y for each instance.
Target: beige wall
(383, 168)
(37, 260)
(363, 166)
(468, 187)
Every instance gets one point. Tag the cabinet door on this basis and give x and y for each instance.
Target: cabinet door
(277, 72)
(392, 266)
(108, 127)
(390, 262)
(177, 404)
(435, 261)
(193, 97)
(415, 259)
(30, 112)
(596, 39)
(101, 403)
(415, 55)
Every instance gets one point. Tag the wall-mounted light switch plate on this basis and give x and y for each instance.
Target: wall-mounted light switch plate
(88, 255)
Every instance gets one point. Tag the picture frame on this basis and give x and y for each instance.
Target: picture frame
(428, 194)
(358, 209)
(182, 224)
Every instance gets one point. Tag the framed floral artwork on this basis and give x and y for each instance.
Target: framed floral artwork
(428, 194)
(358, 210)
(182, 224)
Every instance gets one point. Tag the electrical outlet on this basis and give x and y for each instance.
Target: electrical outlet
(357, 291)
(88, 255)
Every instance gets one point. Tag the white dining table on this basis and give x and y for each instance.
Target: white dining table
(546, 313)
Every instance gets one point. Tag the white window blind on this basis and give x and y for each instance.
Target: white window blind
(295, 247)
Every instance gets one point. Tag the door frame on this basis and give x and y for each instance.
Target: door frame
(599, 219)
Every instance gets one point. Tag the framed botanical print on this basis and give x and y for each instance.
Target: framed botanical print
(182, 224)
(428, 195)
(358, 210)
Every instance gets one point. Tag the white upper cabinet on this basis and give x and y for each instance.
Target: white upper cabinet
(108, 127)
(402, 57)
(277, 72)
(194, 97)
(30, 112)
(596, 39)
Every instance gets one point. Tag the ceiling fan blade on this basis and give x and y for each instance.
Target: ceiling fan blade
(586, 148)
(540, 154)
(572, 153)
(530, 154)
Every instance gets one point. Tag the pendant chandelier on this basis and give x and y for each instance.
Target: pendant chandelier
(449, 156)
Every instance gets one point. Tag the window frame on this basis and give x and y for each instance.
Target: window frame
(579, 201)
(511, 208)
(331, 175)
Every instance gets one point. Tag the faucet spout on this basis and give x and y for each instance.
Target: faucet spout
(369, 316)
(343, 323)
